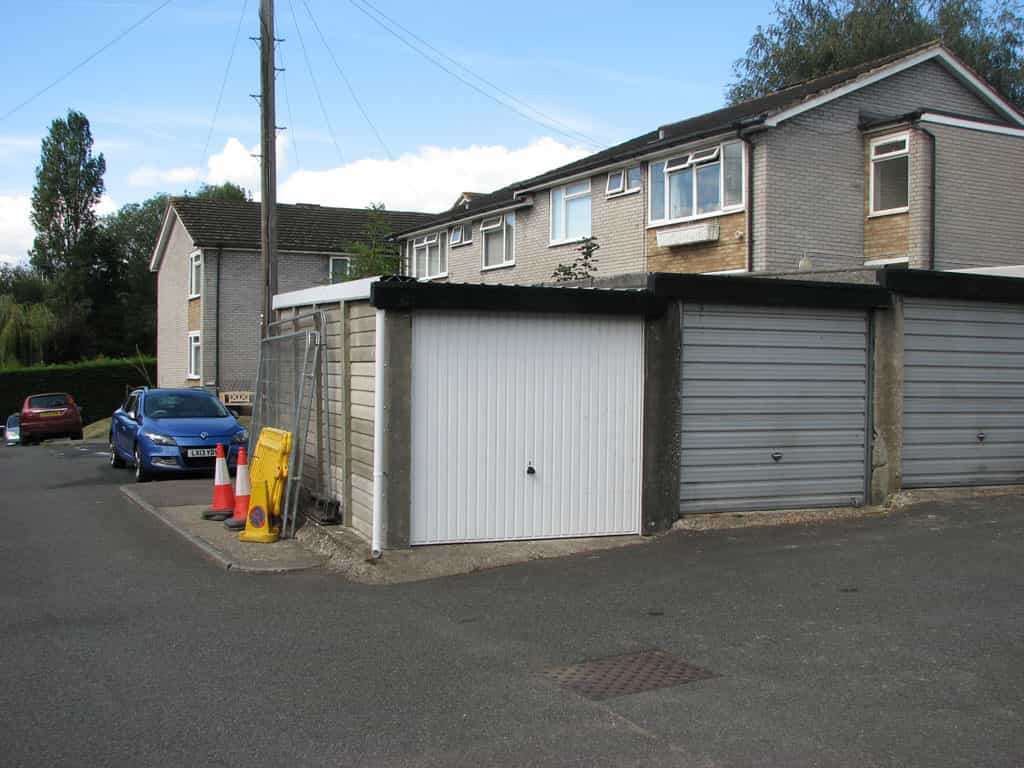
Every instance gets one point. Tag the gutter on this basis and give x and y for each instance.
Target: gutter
(749, 182)
(380, 468)
(524, 203)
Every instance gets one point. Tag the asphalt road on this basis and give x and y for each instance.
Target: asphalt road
(893, 642)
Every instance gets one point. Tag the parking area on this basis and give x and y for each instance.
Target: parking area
(872, 642)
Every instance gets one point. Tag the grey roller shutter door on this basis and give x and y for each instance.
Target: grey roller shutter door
(963, 393)
(774, 408)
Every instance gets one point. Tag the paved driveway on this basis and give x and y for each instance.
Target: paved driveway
(893, 642)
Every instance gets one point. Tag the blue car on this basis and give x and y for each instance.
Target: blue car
(173, 432)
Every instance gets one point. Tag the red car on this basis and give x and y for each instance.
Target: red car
(50, 415)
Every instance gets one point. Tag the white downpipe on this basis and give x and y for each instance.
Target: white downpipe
(380, 469)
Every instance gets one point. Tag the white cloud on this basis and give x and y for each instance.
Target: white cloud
(16, 232)
(429, 180)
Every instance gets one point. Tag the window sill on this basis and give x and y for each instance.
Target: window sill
(193, 378)
(893, 212)
(427, 278)
(691, 219)
(557, 243)
(459, 245)
(194, 296)
(498, 266)
(612, 195)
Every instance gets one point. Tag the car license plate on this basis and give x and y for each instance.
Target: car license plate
(48, 414)
(196, 453)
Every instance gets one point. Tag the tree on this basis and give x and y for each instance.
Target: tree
(810, 38)
(226, 191)
(69, 184)
(375, 255)
(583, 267)
(135, 228)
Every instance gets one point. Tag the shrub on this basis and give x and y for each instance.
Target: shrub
(98, 386)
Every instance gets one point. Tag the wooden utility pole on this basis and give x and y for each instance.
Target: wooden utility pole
(268, 165)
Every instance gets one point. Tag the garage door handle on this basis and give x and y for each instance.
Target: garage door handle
(776, 456)
(981, 437)
(530, 470)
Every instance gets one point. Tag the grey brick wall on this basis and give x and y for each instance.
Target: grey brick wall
(980, 212)
(616, 222)
(813, 169)
(237, 336)
(172, 310)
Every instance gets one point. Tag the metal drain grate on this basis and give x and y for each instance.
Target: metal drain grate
(630, 673)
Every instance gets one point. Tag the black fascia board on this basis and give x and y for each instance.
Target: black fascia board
(413, 294)
(736, 289)
(933, 284)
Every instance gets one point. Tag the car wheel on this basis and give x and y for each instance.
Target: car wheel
(77, 435)
(141, 475)
(115, 460)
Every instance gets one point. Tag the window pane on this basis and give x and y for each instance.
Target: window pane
(442, 261)
(733, 174)
(578, 188)
(510, 237)
(899, 145)
(707, 188)
(891, 183)
(658, 190)
(493, 247)
(434, 259)
(420, 268)
(680, 194)
(577, 214)
(456, 235)
(615, 181)
(557, 225)
(633, 178)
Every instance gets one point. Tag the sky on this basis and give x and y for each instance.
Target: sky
(589, 74)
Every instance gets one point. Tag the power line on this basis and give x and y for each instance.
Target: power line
(548, 122)
(348, 85)
(288, 102)
(316, 88)
(87, 59)
(223, 84)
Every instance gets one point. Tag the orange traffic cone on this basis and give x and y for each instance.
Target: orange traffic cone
(223, 497)
(242, 490)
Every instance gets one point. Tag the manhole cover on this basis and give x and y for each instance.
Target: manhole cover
(630, 673)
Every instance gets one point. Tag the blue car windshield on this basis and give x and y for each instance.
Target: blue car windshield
(183, 405)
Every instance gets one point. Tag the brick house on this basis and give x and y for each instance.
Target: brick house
(896, 161)
(208, 283)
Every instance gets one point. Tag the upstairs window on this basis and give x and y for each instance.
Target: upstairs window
(570, 212)
(195, 274)
(340, 266)
(696, 184)
(499, 234)
(890, 174)
(430, 256)
(460, 234)
(623, 181)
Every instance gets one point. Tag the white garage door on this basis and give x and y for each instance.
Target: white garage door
(525, 426)
(774, 408)
(963, 393)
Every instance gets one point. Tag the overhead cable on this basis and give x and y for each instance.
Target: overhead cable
(223, 84)
(87, 59)
(570, 134)
(348, 84)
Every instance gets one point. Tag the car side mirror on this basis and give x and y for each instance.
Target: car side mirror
(137, 417)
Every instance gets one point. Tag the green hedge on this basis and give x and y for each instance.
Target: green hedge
(98, 386)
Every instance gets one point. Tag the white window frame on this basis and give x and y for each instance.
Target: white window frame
(195, 343)
(461, 228)
(566, 197)
(624, 188)
(693, 159)
(425, 241)
(195, 274)
(330, 268)
(499, 222)
(905, 152)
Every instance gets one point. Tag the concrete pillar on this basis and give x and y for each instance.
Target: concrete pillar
(397, 427)
(663, 349)
(887, 402)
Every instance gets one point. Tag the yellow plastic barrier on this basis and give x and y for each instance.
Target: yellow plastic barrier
(267, 474)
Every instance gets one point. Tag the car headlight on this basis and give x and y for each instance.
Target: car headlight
(160, 439)
(242, 436)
